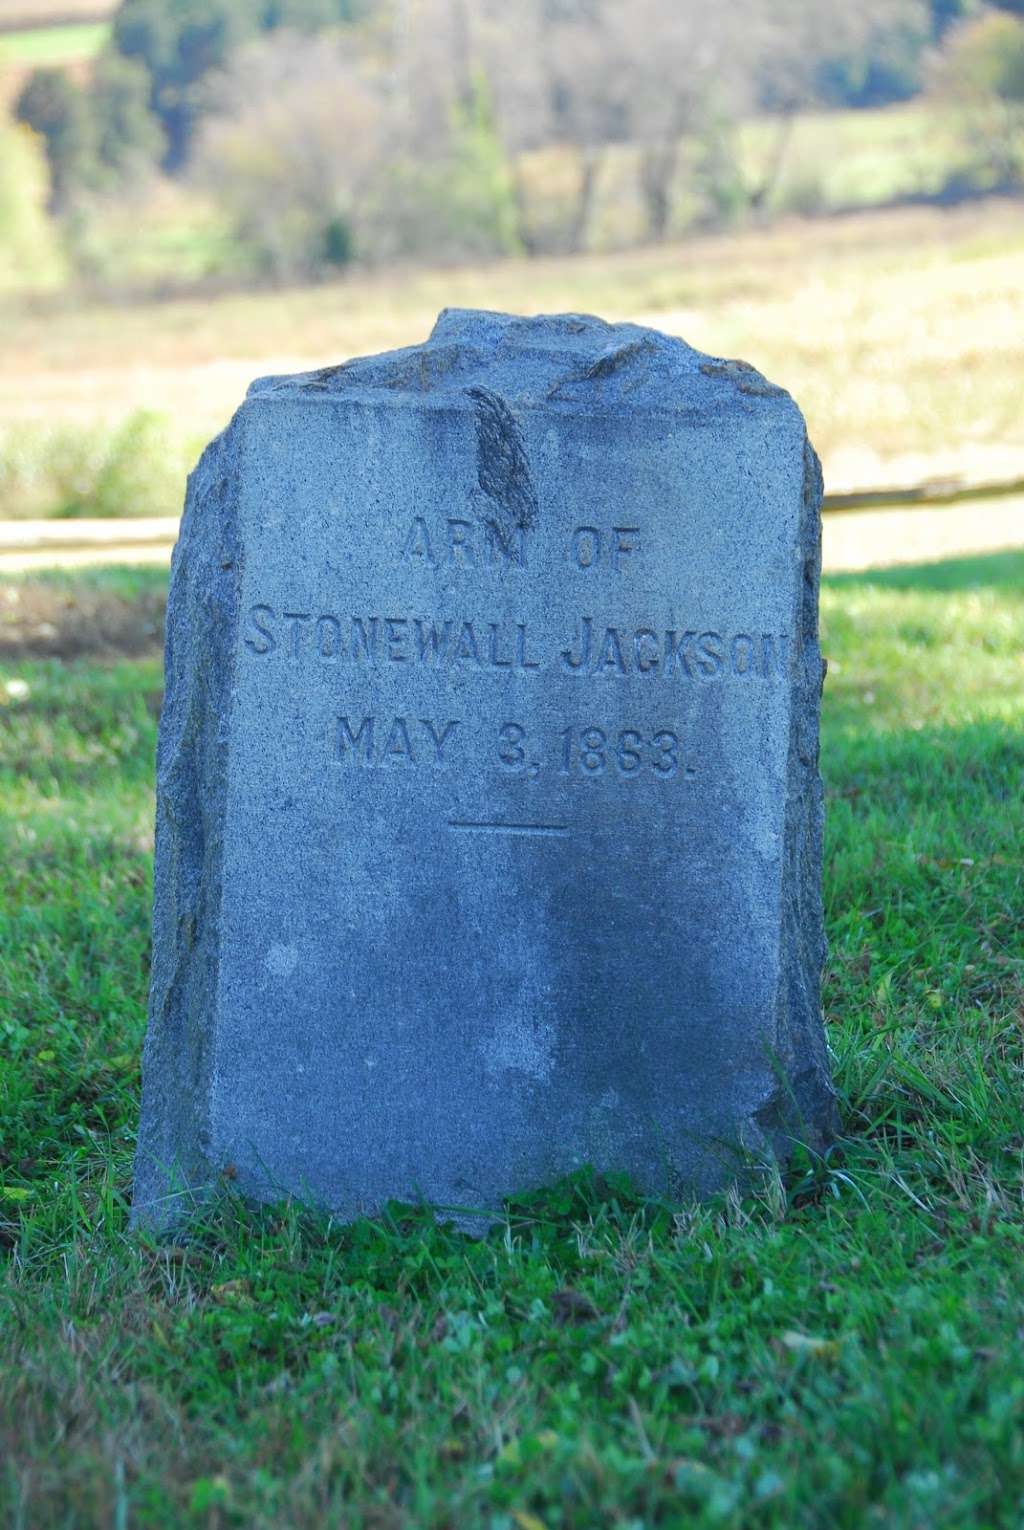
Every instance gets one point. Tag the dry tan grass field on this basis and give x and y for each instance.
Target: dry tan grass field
(900, 333)
(16, 14)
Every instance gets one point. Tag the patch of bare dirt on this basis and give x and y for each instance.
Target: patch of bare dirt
(43, 621)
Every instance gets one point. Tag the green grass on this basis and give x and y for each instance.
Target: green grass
(842, 159)
(841, 1350)
(41, 47)
(138, 467)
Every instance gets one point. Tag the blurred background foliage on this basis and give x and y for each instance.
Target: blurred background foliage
(180, 180)
(173, 142)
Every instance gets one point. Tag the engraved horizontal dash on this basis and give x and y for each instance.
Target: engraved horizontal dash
(493, 826)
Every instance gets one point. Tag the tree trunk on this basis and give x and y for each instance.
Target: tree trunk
(657, 172)
(462, 55)
(760, 193)
(590, 161)
(525, 235)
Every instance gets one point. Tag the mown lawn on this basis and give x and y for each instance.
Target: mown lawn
(839, 1350)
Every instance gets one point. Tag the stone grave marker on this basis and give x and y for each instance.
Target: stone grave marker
(489, 817)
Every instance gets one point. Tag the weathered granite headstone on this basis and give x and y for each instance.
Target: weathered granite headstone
(489, 816)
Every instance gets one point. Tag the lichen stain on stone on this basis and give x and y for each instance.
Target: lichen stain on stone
(325, 377)
(281, 960)
(525, 1048)
(508, 498)
(747, 378)
(619, 356)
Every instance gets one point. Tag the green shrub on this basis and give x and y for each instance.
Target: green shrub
(338, 244)
(802, 193)
(30, 252)
(136, 469)
(981, 73)
(457, 205)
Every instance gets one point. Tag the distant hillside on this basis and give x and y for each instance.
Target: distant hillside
(24, 15)
(72, 46)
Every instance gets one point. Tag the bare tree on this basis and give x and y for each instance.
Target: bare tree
(586, 99)
(550, 71)
(289, 145)
(421, 131)
(507, 48)
(552, 68)
(429, 73)
(788, 43)
(680, 63)
(445, 185)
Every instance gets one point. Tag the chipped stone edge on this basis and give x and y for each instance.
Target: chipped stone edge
(802, 1107)
(428, 373)
(172, 1164)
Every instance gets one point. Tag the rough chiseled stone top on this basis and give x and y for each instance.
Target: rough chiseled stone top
(571, 359)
